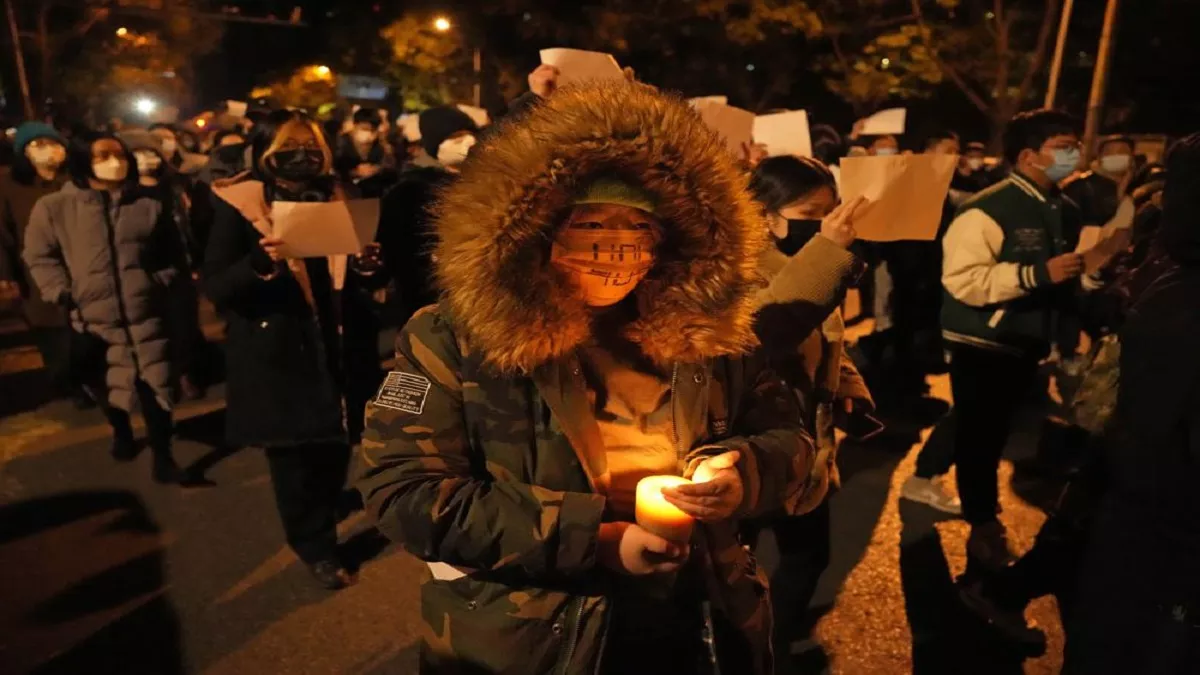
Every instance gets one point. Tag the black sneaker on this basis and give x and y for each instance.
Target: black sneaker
(331, 575)
(166, 471)
(1011, 625)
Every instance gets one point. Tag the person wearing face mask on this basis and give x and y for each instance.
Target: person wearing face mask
(1098, 192)
(447, 134)
(599, 260)
(1006, 266)
(883, 146)
(39, 161)
(226, 159)
(363, 157)
(797, 194)
(157, 179)
(108, 253)
(301, 347)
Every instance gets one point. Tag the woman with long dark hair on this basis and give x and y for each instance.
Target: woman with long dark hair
(291, 324)
(107, 252)
(797, 193)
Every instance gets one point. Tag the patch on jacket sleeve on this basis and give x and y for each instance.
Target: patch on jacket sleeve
(405, 392)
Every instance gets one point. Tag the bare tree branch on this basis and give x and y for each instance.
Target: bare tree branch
(1039, 55)
(1003, 51)
(950, 72)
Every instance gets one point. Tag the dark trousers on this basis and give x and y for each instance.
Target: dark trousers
(54, 344)
(308, 479)
(159, 427)
(988, 388)
(804, 544)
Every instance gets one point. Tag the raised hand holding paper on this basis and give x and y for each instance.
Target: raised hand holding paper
(906, 194)
(318, 229)
(577, 65)
(884, 123)
(784, 133)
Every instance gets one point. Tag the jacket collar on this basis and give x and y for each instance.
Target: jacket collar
(1031, 188)
(561, 385)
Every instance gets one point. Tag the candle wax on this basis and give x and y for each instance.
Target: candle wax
(658, 516)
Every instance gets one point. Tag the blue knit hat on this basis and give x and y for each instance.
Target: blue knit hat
(31, 131)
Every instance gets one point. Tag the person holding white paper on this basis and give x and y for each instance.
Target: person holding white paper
(1006, 267)
(301, 343)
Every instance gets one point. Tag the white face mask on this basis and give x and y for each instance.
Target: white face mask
(364, 137)
(1115, 163)
(886, 152)
(47, 156)
(975, 163)
(112, 170)
(147, 162)
(453, 151)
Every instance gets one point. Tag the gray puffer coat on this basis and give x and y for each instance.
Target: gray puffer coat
(110, 263)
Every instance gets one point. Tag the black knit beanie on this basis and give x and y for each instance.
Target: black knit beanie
(438, 124)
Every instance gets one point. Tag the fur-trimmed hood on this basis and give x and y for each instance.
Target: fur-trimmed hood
(497, 222)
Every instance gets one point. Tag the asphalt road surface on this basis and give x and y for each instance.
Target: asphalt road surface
(102, 571)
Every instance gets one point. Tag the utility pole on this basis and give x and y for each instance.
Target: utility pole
(1064, 24)
(22, 78)
(1100, 79)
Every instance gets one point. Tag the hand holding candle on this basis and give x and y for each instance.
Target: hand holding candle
(715, 492)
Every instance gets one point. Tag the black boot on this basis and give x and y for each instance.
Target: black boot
(124, 448)
(165, 469)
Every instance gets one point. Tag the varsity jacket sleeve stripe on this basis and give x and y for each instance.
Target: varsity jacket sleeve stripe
(970, 272)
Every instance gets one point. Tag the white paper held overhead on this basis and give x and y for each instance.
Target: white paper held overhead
(236, 108)
(700, 100)
(735, 125)
(906, 192)
(885, 122)
(478, 115)
(784, 133)
(577, 65)
(317, 229)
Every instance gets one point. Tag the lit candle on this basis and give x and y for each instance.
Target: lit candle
(658, 516)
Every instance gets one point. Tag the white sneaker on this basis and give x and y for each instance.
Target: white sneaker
(926, 491)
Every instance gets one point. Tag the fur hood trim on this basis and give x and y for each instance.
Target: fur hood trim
(497, 222)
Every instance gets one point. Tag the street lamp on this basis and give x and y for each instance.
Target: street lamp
(442, 24)
(322, 71)
(145, 106)
(122, 31)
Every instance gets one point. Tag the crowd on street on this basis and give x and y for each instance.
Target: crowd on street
(622, 357)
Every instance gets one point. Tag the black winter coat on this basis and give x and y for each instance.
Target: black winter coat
(408, 239)
(287, 366)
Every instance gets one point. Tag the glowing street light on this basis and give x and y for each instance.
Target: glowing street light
(322, 71)
(122, 31)
(442, 24)
(145, 106)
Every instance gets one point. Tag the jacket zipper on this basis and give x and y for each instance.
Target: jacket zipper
(572, 641)
(116, 269)
(674, 417)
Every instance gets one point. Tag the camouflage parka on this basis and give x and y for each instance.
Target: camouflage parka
(477, 460)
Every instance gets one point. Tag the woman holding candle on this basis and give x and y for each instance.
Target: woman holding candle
(599, 264)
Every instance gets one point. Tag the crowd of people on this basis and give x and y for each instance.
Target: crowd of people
(594, 290)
